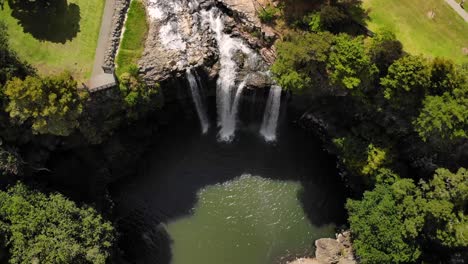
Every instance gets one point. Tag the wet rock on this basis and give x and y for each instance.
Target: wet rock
(180, 37)
(258, 80)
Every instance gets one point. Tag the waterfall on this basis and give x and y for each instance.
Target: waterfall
(271, 114)
(197, 100)
(228, 127)
(227, 92)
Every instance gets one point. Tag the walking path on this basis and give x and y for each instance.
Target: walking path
(456, 6)
(100, 79)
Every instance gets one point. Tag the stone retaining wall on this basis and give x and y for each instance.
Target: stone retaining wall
(118, 20)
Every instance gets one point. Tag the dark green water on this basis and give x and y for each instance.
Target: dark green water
(197, 201)
(246, 220)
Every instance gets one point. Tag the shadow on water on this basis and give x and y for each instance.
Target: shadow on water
(181, 162)
(47, 20)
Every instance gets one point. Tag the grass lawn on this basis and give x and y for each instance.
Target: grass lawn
(445, 35)
(66, 46)
(133, 42)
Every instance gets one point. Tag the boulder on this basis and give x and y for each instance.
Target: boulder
(335, 251)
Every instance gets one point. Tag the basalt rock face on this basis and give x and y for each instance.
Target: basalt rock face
(183, 35)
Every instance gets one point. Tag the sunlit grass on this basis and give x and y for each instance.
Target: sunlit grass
(133, 42)
(76, 56)
(445, 35)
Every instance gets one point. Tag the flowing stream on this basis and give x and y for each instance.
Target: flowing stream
(271, 114)
(197, 100)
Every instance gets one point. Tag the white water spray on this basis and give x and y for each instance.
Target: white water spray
(197, 100)
(227, 92)
(271, 114)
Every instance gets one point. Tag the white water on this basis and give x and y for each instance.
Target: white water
(227, 92)
(271, 114)
(197, 100)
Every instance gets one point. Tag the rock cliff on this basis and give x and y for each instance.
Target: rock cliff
(183, 35)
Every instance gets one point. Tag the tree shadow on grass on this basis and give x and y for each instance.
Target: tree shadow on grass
(50, 20)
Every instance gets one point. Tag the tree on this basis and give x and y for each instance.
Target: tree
(447, 195)
(348, 64)
(406, 84)
(52, 104)
(10, 64)
(332, 18)
(134, 89)
(408, 74)
(40, 228)
(384, 50)
(361, 158)
(444, 117)
(387, 222)
(444, 76)
(301, 60)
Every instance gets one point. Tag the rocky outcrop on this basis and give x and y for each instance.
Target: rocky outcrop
(335, 251)
(305, 261)
(182, 35)
(118, 19)
(176, 40)
(331, 251)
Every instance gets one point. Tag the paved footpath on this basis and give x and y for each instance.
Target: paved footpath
(456, 6)
(104, 36)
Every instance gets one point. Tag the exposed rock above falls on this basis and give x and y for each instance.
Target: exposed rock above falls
(183, 34)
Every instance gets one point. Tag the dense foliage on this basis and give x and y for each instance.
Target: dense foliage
(387, 222)
(392, 220)
(51, 104)
(349, 66)
(40, 228)
(302, 60)
(388, 113)
(136, 93)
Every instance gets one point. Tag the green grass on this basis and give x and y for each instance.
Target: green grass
(445, 35)
(133, 42)
(75, 55)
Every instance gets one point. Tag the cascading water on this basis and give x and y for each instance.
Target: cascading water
(197, 100)
(181, 36)
(271, 114)
(227, 92)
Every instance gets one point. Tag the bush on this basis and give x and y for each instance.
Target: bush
(268, 14)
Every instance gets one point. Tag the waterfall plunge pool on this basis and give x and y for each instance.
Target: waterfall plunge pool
(200, 201)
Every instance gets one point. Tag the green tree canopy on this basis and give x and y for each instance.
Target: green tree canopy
(410, 74)
(349, 65)
(406, 85)
(386, 223)
(51, 104)
(40, 228)
(301, 60)
(136, 93)
(444, 117)
(447, 195)
(384, 50)
(444, 76)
